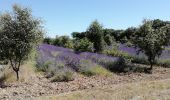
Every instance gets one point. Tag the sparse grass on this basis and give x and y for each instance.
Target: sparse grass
(25, 73)
(148, 90)
(63, 77)
(164, 63)
(96, 70)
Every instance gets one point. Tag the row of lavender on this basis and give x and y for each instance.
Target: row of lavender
(59, 58)
(162, 60)
(132, 51)
(63, 58)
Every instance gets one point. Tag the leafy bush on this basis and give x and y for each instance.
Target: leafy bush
(140, 60)
(56, 70)
(48, 40)
(123, 65)
(89, 68)
(63, 77)
(83, 45)
(44, 67)
(117, 53)
(63, 41)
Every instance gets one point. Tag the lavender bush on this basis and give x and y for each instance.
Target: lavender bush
(58, 56)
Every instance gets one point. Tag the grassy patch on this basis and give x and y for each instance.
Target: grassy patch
(96, 71)
(148, 90)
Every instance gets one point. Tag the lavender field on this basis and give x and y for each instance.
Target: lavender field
(63, 59)
(133, 52)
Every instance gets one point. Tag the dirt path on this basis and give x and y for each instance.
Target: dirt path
(37, 85)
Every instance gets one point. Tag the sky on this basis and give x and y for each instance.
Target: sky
(62, 17)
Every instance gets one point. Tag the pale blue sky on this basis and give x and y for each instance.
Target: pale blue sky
(62, 17)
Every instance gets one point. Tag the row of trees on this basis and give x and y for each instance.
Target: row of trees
(150, 38)
(94, 39)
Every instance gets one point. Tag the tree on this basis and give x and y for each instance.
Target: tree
(151, 40)
(109, 40)
(95, 35)
(48, 40)
(20, 33)
(78, 35)
(83, 45)
(63, 41)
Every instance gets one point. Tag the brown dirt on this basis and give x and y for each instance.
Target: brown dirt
(37, 85)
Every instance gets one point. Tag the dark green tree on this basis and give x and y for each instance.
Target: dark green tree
(20, 32)
(48, 40)
(78, 35)
(63, 41)
(83, 45)
(151, 40)
(95, 35)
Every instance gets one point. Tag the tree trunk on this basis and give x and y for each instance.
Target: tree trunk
(151, 67)
(17, 74)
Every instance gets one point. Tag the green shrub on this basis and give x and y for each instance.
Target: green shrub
(118, 53)
(63, 77)
(44, 67)
(89, 69)
(97, 70)
(83, 45)
(140, 60)
(123, 65)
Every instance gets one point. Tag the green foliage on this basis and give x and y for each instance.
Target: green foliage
(126, 35)
(20, 32)
(151, 39)
(89, 69)
(109, 39)
(83, 45)
(78, 35)
(45, 67)
(118, 53)
(95, 35)
(48, 40)
(63, 41)
(63, 77)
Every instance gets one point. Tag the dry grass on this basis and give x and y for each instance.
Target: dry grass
(148, 90)
(25, 73)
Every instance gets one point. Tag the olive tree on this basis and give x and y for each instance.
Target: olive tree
(19, 34)
(151, 40)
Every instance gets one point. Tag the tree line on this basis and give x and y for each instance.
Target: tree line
(151, 38)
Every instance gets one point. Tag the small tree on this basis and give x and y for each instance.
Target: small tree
(48, 40)
(95, 35)
(83, 45)
(20, 32)
(63, 41)
(151, 40)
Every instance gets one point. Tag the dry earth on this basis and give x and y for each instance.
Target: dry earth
(36, 85)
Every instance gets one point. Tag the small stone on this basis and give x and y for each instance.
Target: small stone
(15, 93)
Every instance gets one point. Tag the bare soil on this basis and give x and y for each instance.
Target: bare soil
(37, 85)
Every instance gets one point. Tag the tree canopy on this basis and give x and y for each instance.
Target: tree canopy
(19, 33)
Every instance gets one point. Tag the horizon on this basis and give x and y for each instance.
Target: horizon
(64, 17)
